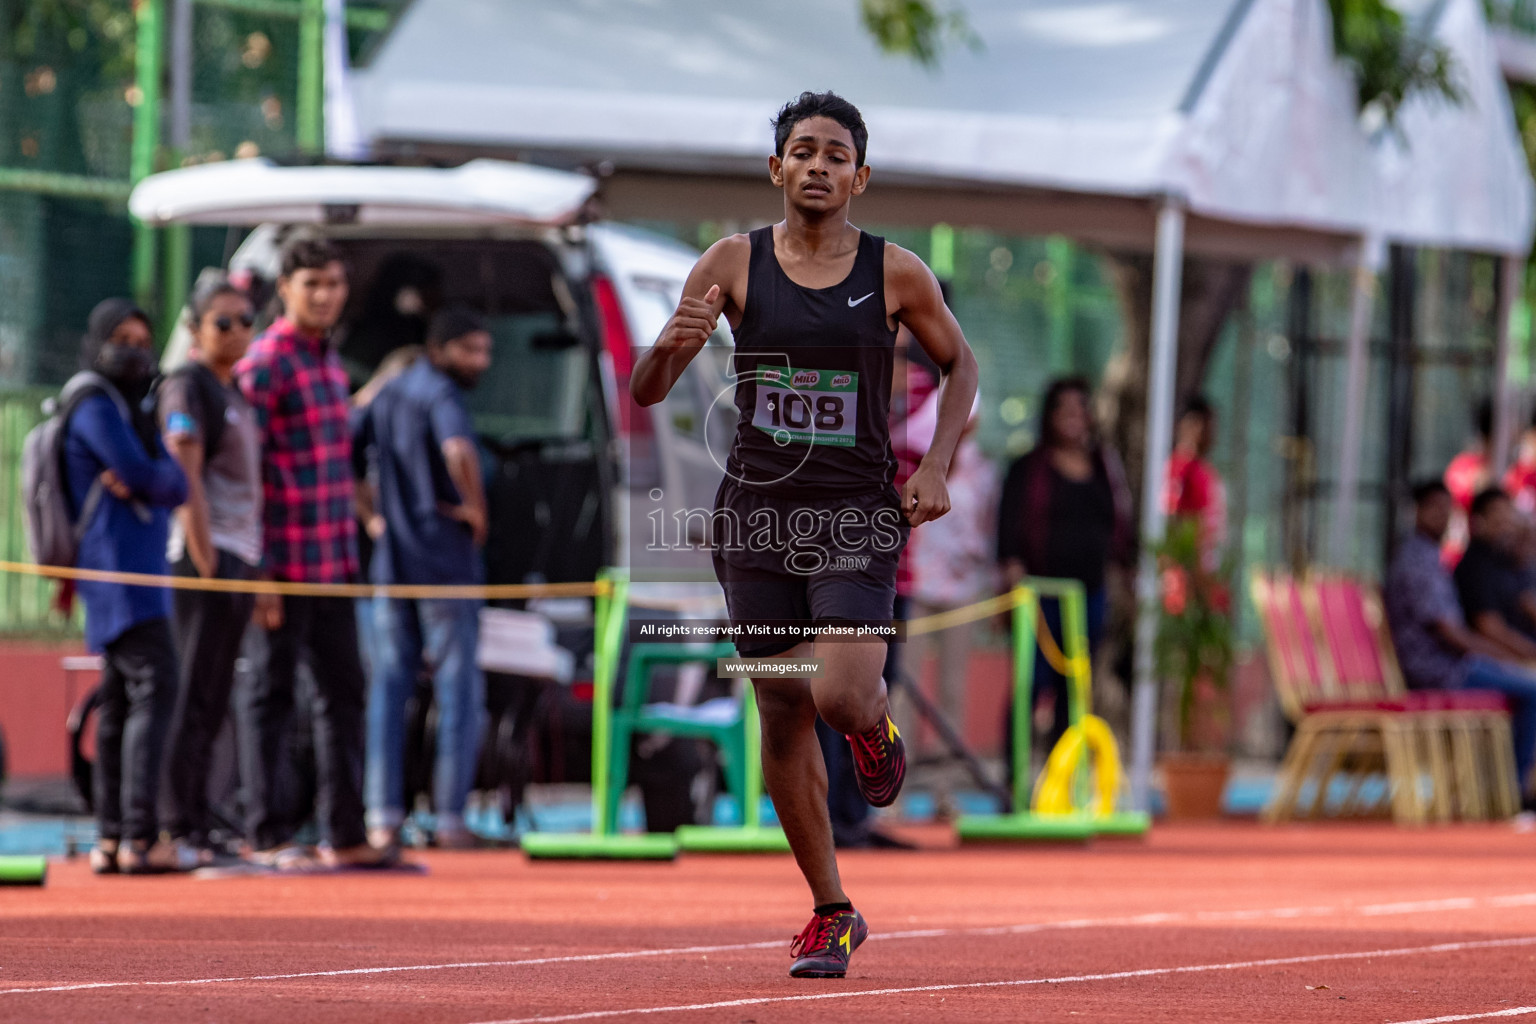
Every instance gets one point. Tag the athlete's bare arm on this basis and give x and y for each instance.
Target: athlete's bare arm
(913, 299)
(716, 284)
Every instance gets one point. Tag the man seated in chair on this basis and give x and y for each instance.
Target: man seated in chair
(1436, 649)
(1489, 580)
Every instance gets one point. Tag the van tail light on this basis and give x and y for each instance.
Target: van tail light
(615, 330)
(618, 343)
(583, 690)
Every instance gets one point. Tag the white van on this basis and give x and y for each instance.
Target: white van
(568, 300)
(576, 473)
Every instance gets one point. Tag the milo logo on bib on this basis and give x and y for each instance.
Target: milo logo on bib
(814, 407)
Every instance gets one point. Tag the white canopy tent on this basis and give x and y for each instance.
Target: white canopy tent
(1224, 127)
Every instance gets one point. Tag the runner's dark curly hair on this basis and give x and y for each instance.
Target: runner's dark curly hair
(820, 104)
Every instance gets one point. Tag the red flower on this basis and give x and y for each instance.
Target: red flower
(1221, 598)
(1175, 590)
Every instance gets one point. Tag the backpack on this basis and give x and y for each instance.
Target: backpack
(53, 533)
(207, 393)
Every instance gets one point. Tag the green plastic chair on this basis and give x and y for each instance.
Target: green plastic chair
(636, 716)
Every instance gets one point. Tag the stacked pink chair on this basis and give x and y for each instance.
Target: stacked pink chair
(1341, 733)
(1464, 737)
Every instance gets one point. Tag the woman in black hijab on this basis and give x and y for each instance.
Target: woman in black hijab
(118, 344)
(128, 625)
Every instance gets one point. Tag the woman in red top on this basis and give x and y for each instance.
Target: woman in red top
(1195, 489)
(1520, 479)
(1467, 475)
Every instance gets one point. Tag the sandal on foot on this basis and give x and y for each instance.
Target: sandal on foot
(103, 857)
(289, 858)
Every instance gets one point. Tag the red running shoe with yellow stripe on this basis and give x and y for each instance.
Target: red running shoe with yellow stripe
(822, 949)
(879, 762)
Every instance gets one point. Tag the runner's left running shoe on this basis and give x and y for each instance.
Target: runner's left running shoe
(879, 762)
(823, 948)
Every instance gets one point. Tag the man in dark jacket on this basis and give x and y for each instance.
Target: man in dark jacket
(129, 625)
(428, 525)
(1489, 581)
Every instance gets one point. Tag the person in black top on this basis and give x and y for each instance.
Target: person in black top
(1064, 513)
(808, 523)
(1489, 580)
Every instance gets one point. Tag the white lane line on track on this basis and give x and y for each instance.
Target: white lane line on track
(1518, 1011)
(1146, 972)
(1418, 907)
(1201, 916)
(573, 959)
(1522, 899)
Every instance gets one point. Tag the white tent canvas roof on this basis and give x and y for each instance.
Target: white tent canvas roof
(1237, 107)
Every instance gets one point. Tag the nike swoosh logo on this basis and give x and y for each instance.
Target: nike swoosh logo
(855, 302)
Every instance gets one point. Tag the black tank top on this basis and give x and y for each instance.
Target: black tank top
(813, 385)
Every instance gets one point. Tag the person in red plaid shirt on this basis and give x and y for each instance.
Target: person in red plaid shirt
(293, 379)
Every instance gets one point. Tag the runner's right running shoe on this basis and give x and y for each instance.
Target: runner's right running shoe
(823, 948)
(879, 762)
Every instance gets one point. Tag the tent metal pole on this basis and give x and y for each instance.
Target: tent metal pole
(182, 17)
(1510, 273)
(148, 62)
(309, 131)
(1362, 301)
(1167, 273)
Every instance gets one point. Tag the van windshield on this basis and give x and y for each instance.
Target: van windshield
(536, 387)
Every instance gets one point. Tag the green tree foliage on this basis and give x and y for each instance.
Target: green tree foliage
(916, 28)
(1392, 63)
(1522, 96)
(93, 31)
(1518, 17)
(66, 67)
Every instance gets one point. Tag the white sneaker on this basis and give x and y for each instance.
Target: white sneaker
(384, 838)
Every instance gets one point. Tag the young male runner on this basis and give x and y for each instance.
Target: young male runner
(814, 304)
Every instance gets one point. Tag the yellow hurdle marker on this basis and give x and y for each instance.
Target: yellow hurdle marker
(1054, 789)
(1065, 815)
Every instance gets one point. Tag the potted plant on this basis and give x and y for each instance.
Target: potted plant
(1194, 652)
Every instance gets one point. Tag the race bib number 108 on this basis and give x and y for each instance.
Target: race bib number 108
(808, 406)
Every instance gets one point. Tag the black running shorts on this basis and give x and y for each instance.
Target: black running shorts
(813, 561)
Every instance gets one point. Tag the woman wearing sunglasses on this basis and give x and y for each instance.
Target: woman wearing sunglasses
(211, 430)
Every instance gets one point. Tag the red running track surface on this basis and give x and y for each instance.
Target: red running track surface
(1231, 922)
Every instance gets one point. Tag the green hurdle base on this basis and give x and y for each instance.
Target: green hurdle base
(1048, 828)
(1131, 824)
(23, 870)
(604, 842)
(587, 846)
(1030, 826)
(731, 839)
